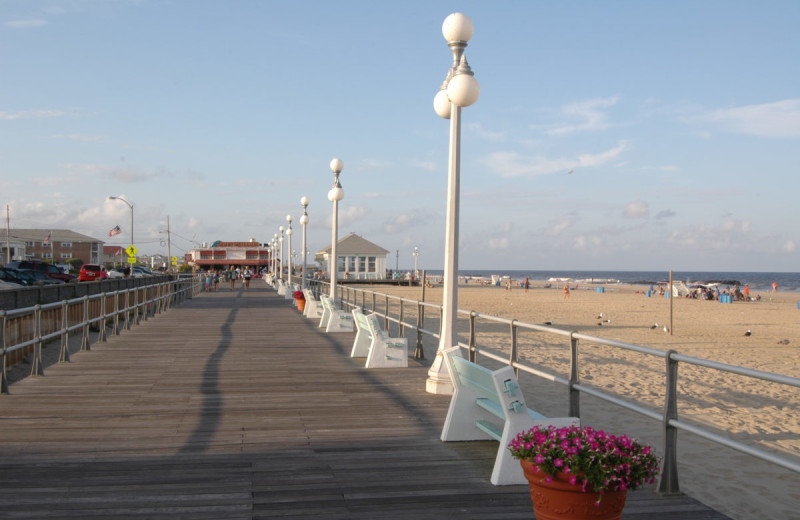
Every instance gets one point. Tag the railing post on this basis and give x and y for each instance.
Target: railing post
(115, 328)
(419, 353)
(386, 313)
(3, 376)
(668, 479)
(574, 378)
(36, 366)
(128, 316)
(400, 325)
(373, 302)
(513, 356)
(101, 336)
(85, 328)
(63, 354)
(473, 339)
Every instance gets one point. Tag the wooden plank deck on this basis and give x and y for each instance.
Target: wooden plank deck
(234, 406)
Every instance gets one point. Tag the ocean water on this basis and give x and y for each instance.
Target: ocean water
(789, 282)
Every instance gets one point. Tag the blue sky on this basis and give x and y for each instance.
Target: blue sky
(680, 121)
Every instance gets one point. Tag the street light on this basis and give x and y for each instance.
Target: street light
(416, 256)
(460, 89)
(289, 233)
(280, 241)
(110, 197)
(335, 195)
(304, 250)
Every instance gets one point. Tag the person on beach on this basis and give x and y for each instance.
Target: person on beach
(527, 284)
(774, 287)
(566, 291)
(508, 284)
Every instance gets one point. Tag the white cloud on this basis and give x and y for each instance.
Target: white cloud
(513, 164)
(560, 224)
(637, 209)
(25, 24)
(31, 114)
(589, 114)
(79, 138)
(499, 243)
(779, 119)
(477, 129)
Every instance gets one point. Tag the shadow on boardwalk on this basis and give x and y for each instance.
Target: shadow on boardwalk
(235, 406)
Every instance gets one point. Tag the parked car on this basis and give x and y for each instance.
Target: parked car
(141, 271)
(49, 270)
(92, 272)
(10, 276)
(9, 285)
(116, 273)
(31, 277)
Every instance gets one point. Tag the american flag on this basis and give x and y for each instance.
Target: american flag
(46, 241)
(116, 230)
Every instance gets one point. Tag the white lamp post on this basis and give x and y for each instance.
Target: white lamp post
(275, 263)
(280, 256)
(130, 206)
(416, 256)
(304, 250)
(289, 233)
(460, 89)
(335, 195)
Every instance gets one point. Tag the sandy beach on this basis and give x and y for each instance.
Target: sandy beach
(756, 412)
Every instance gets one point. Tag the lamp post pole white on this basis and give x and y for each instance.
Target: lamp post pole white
(416, 256)
(460, 89)
(275, 259)
(280, 256)
(335, 195)
(304, 250)
(289, 233)
(130, 206)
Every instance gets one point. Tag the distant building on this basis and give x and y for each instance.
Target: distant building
(221, 255)
(114, 255)
(56, 245)
(357, 258)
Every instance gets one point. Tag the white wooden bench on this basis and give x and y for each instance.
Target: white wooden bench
(384, 351)
(313, 308)
(363, 341)
(281, 287)
(333, 319)
(489, 405)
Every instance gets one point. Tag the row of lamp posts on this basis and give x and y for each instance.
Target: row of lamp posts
(459, 89)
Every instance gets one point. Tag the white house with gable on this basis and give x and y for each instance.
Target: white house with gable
(358, 259)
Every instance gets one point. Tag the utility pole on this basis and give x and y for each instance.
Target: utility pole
(169, 248)
(8, 235)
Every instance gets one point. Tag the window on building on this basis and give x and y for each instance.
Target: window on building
(362, 261)
(66, 255)
(342, 262)
(66, 244)
(47, 255)
(351, 264)
(372, 268)
(30, 244)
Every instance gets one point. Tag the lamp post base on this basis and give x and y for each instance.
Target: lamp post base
(439, 381)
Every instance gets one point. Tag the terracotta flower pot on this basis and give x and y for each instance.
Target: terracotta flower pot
(301, 304)
(560, 500)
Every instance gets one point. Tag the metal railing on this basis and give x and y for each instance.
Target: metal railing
(23, 331)
(394, 310)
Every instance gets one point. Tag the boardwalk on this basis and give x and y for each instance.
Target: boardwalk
(234, 406)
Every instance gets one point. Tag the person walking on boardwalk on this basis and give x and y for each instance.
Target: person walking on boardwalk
(246, 274)
(231, 276)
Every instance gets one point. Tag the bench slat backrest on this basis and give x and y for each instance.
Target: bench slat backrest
(361, 320)
(474, 376)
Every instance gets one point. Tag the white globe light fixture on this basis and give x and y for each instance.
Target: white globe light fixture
(335, 194)
(460, 89)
